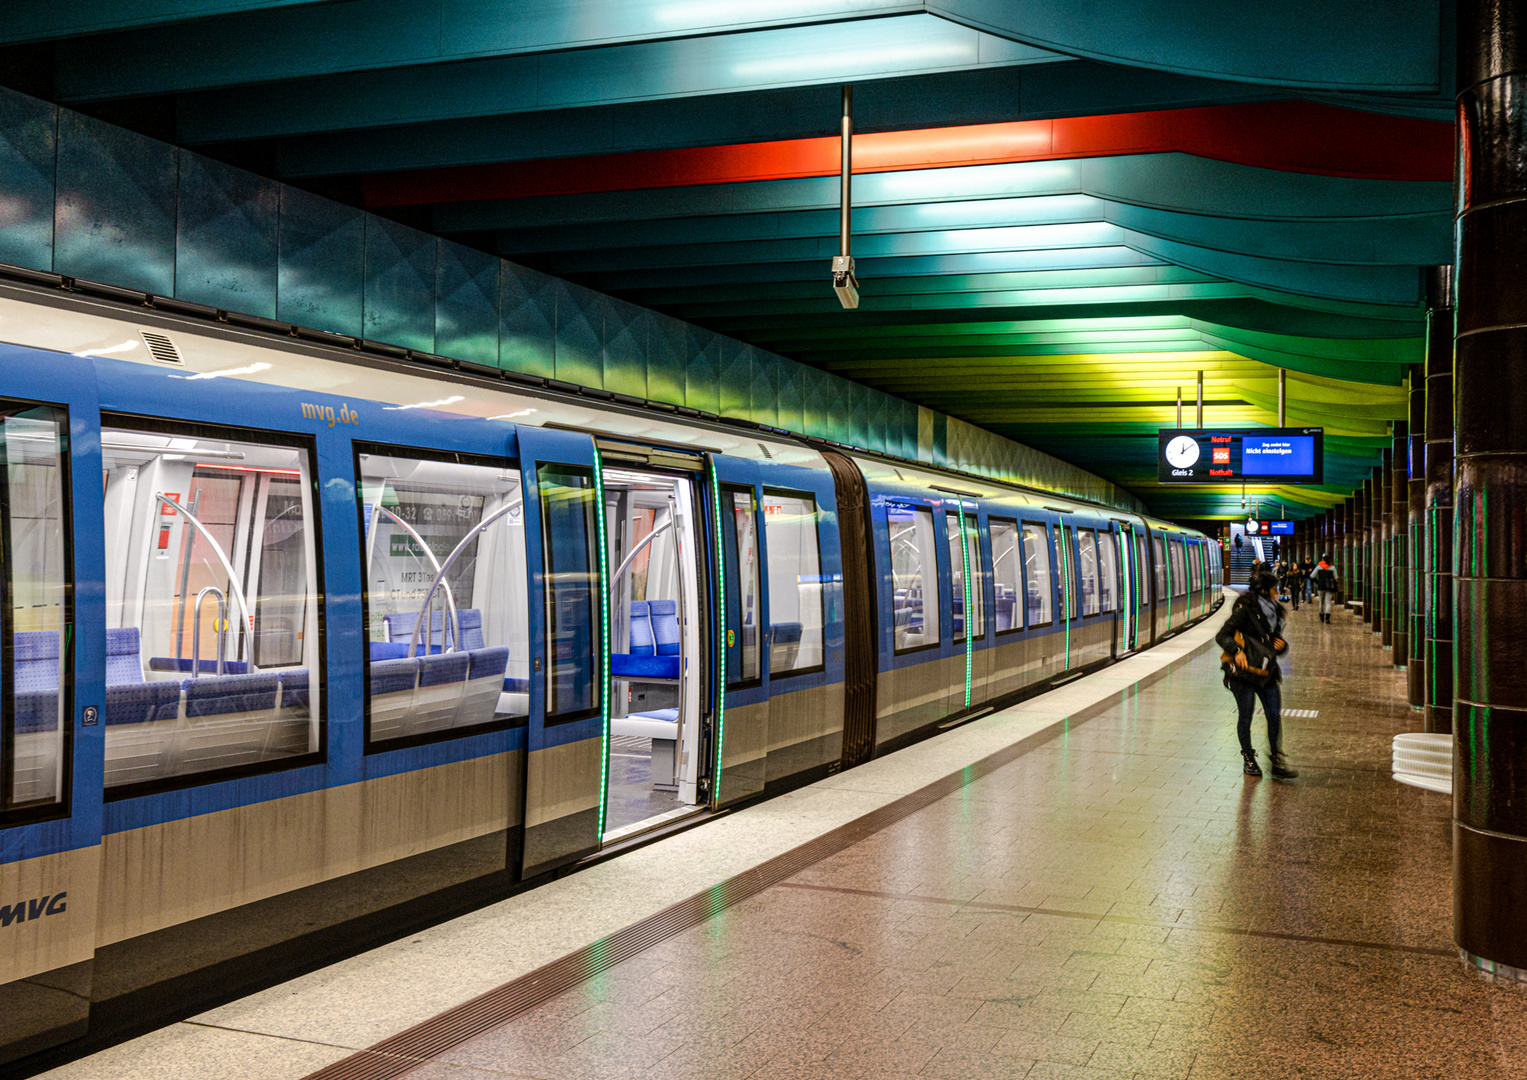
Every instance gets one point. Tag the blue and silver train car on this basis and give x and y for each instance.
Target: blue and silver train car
(288, 627)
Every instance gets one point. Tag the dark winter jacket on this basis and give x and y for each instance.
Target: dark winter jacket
(1247, 619)
(1325, 577)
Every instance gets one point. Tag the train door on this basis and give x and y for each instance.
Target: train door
(569, 649)
(51, 698)
(1065, 566)
(742, 743)
(654, 534)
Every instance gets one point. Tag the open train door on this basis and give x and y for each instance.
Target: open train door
(569, 649)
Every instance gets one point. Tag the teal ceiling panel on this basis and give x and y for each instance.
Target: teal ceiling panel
(45, 20)
(1388, 47)
(282, 103)
(467, 297)
(114, 214)
(399, 304)
(28, 160)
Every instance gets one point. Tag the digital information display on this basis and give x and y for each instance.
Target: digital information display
(1264, 527)
(1231, 455)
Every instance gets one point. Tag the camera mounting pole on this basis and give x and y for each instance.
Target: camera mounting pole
(843, 281)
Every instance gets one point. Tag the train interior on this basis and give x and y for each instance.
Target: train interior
(655, 646)
(444, 550)
(212, 605)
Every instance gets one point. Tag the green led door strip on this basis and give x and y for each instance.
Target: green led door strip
(715, 488)
(1065, 588)
(1166, 559)
(604, 643)
(1127, 593)
(970, 630)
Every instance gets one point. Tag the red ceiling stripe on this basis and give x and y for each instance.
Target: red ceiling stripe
(1294, 136)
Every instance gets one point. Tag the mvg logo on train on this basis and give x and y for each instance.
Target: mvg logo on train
(32, 910)
(346, 415)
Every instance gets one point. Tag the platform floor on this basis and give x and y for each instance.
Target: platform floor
(1114, 901)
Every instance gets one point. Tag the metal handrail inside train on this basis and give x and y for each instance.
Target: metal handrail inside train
(221, 626)
(429, 597)
(233, 578)
(450, 597)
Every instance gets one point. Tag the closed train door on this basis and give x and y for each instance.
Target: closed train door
(742, 744)
(569, 649)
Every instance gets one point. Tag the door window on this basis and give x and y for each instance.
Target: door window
(740, 529)
(1108, 570)
(957, 562)
(35, 616)
(1037, 574)
(446, 595)
(1087, 571)
(795, 582)
(213, 640)
(914, 576)
(1007, 574)
(574, 632)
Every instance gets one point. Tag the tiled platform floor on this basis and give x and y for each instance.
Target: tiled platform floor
(1118, 903)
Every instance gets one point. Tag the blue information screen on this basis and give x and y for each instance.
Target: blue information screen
(1277, 455)
(1238, 455)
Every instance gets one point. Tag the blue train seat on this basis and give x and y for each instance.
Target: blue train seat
(230, 695)
(124, 656)
(400, 628)
(394, 676)
(654, 651)
(1006, 605)
(36, 666)
(142, 702)
(484, 684)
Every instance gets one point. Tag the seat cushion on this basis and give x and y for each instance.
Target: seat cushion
(444, 668)
(642, 641)
(665, 626)
(36, 660)
(124, 659)
(394, 676)
(626, 666)
(142, 703)
(488, 663)
(230, 694)
(294, 688)
(36, 710)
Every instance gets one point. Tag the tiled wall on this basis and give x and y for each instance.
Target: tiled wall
(94, 201)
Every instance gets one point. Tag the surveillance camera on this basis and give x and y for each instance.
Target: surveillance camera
(843, 281)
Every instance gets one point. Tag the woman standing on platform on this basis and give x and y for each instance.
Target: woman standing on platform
(1252, 640)
(1325, 584)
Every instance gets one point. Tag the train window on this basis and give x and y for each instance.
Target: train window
(739, 523)
(570, 554)
(1108, 569)
(795, 582)
(1161, 568)
(1087, 571)
(1037, 574)
(1007, 574)
(446, 594)
(957, 576)
(1194, 574)
(35, 620)
(213, 636)
(1179, 570)
(913, 566)
(1141, 565)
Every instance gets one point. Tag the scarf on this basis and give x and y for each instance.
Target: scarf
(1274, 616)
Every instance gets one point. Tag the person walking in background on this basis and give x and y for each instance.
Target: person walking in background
(1325, 585)
(1295, 579)
(1238, 544)
(1252, 640)
(1306, 573)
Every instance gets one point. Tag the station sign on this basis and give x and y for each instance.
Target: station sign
(1264, 527)
(1236, 455)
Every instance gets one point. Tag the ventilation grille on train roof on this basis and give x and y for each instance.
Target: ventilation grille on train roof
(161, 348)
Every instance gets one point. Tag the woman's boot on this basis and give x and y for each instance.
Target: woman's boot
(1281, 769)
(1250, 766)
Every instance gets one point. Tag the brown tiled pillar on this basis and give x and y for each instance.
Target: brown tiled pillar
(1383, 550)
(1490, 491)
(1370, 500)
(1415, 666)
(1399, 533)
(1345, 540)
(1437, 562)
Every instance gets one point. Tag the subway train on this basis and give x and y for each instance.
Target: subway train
(342, 645)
